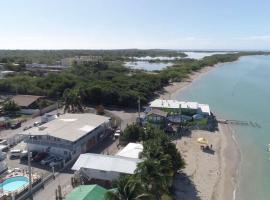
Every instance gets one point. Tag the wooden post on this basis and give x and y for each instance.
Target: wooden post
(59, 192)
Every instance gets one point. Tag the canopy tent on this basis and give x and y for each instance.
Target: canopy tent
(202, 140)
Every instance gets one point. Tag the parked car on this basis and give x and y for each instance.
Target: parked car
(16, 125)
(48, 160)
(57, 162)
(40, 156)
(37, 123)
(15, 153)
(24, 155)
(117, 133)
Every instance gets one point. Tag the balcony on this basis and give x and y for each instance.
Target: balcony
(57, 144)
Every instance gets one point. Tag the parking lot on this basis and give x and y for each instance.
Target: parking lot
(63, 177)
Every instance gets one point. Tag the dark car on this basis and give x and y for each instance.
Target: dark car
(40, 156)
(15, 126)
(25, 156)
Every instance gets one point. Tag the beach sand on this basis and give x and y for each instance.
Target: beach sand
(206, 176)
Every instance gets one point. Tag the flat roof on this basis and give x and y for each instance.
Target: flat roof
(132, 150)
(173, 104)
(106, 163)
(68, 126)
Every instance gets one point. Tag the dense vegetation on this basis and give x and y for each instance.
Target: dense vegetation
(154, 176)
(107, 82)
(53, 56)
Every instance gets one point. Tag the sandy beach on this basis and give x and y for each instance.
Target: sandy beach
(207, 176)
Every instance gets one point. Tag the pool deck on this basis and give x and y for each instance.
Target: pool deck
(14, 173)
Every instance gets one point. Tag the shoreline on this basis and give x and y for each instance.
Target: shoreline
(226, 163)
(219, 183)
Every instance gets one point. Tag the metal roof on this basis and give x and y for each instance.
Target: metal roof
(173, 104)
(87, 192)
(132, 150)
(69, 127)
(25, 100)
(106, 163)
(157, 112)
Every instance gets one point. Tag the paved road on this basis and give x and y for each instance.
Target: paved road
(63, 179)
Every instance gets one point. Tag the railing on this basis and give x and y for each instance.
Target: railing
(48, 143)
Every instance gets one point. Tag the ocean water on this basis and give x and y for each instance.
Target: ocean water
(241, 91)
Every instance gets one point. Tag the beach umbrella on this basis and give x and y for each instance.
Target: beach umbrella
(202, 140)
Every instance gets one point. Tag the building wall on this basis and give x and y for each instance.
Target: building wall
(99, 174)
(67, 148)
(54, 150)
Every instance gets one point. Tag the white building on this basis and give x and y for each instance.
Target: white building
(132, 150)
(69, 135)
(174, 105)
(105, 167)
(109, 167)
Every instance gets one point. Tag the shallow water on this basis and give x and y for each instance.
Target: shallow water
(147, 65)
(241, 91)
(200, 55)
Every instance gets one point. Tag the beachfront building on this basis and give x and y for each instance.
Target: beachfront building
(109, 167)
(156, 116)
(69, 135)
(87, 192)
(176, 107)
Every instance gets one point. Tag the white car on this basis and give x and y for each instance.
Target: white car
(117, 133)
(37, 123)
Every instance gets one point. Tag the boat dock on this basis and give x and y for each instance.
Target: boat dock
(239, 122)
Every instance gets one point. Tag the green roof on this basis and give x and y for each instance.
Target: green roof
(87, 192)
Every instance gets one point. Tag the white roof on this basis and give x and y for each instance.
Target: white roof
(160, 103)
(189, 105)
(69, 127)
(132, 150)
(106, 163)
(205, 108)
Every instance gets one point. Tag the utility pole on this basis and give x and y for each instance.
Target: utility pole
(29, 171)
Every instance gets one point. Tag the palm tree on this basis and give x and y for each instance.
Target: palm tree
(156, 175)
(127, 188)
(72, 101)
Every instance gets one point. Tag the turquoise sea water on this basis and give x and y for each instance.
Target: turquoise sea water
(241, 90)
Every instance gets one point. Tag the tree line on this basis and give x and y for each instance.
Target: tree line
(107, 82)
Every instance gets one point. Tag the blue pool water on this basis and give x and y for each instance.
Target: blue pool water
(14, 183)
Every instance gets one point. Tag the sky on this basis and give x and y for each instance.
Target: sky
(144, 24)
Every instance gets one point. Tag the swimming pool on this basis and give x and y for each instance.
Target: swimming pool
(14, 183)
